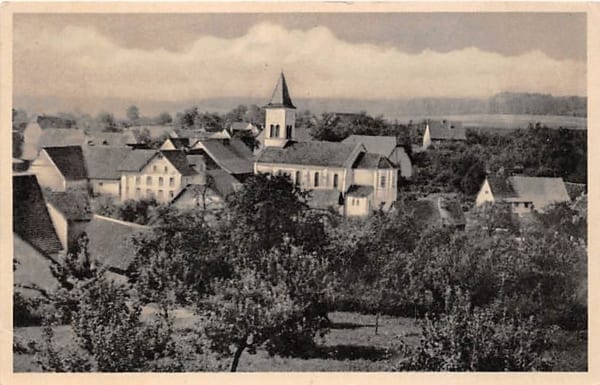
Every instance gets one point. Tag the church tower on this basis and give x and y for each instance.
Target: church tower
(280, 119)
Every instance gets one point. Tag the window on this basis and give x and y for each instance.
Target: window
(127, 190)
(171, 181)
(166, 169)
(277, 130)
(272, 132)
(137, 180)
(316, 179)
(171, 194)
(526, 205)
(160, 180)
(288, 132)
(335, 180)
(154, 168)
(297, 178)
(149, 180)
(382, 181)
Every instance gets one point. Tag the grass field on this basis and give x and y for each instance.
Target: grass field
(351, 345)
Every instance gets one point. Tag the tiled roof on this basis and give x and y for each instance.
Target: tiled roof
(136, 159)
(383, 145)
(110, 138)
(359, 191)
(223, 182)
(74, 205)
(316, 153)
(178, 159)
(281, 95)
(541, 191)
(110, 241)
(31, 220)
(69, 160)
(501, 187)
(243, 126)
(57, 137)
(180, 143)
(103, 162)
(446, 130)
(232, 155)
(372, 161)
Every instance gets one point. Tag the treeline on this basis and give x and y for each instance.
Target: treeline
(265, 276)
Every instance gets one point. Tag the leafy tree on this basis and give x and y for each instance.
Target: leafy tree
(133, 114)
(164, 118)
(107, 122)
(275, 301)
(137, 211)
(477, 339)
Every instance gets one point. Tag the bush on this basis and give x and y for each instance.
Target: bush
(479, 339)
(26, 311)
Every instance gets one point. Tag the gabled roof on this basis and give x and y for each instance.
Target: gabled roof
(58, 137)
(179, 143)
(74, 205)
(302, 134)
(110, 241)
(446, 130)
(316, 153)
(223, 182)
(103, 162)
(31, 220)
(232, 155)
(69, 161)
(501, 187)
(359, 191)
(281, 95)
(136, 159)
(383, 145)
(110, 138)
(540, 190)
(178, 159)
(367, 160)
(243, 126)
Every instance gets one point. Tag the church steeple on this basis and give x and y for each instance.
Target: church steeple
(281, 95)
(280, 117)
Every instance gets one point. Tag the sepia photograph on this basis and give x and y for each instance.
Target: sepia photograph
(299, 191)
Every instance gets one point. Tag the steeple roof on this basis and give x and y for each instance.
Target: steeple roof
(281, 95)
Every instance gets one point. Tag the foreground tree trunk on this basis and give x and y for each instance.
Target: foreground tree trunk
(237, 355)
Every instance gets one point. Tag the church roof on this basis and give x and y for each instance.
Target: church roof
(333, 154)
(367, 160)
(383, 145)
(281, 95)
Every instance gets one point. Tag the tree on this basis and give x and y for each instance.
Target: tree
(275, 301)
(133, 114)
(107, 122)
(164, 118)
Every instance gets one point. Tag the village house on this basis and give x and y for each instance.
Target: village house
(114, 139)
(387, 146)
(103, 168)
(524, 194)
(210, 195)
(70, 213)
(35, 137)
(346, 174)
(437, 132)
(35, 242)
(60, 168)
(230, 155)
(244, 127)
(175, 144)
(158, 174)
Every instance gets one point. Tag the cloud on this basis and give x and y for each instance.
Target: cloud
(78, 62)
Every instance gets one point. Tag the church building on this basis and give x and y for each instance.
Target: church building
(343, 176)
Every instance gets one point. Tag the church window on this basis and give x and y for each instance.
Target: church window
(288, 132)
(316, 179)
(272, 133)
(335, 180)
(382, 181)
(277, 130)
(298, 178)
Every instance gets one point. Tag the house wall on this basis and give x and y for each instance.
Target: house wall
(146, 183)
(357, 206)
(33, 268)
(61, 225)
(106, 186)
(426, 138)
(167, 145)
(31, 139)
(484, 195)
(372, 177)
(401, 159)
(47, 173)
(307, 175)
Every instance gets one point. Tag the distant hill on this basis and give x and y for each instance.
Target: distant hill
(502, 103)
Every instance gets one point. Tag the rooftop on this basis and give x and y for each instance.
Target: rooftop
(281, 95)
(316, 153)
(103, 162)
(383, 145)
(69, 161)
(232, 155)
(446, 130)
(74, 204)
(367, 160)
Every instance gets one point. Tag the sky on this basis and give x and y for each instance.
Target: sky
(178, 57)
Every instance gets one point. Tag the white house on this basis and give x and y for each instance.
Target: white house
(156, 174)
(442, 131)
(337, 173)
(60, 168)
(102, 164)
(388, 147)
(523, 194)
